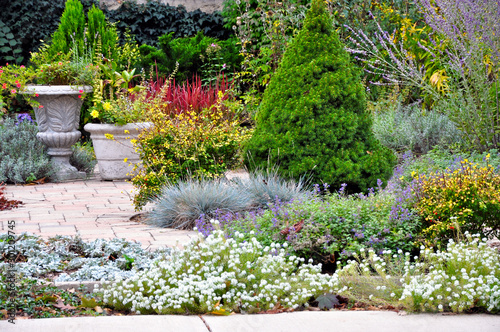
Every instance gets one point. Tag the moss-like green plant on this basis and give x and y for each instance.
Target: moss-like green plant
(313, 119)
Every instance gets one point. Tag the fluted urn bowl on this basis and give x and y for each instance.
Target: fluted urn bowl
(58, 118)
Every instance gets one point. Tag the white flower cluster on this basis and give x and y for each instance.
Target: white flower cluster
(216, 273)
(466, 275)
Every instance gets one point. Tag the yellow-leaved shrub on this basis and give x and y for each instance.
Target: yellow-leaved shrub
(186, 144)
(460, 200)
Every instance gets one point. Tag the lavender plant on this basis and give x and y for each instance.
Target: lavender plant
(470, 60)
(411, 128)
(23, 158)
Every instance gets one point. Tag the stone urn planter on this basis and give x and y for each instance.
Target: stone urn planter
(116, 156)
(58, 118)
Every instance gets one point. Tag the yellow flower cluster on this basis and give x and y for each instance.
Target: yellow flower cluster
(464, 199)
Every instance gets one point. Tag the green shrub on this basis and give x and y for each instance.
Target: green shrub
(312, 120)
(23, 158)
(438, 160)
(193, 54)
(83, 158)
(413, 129)
(466, 199)
(101, 36)
(71, 29)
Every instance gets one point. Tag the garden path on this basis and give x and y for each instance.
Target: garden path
(91, 208)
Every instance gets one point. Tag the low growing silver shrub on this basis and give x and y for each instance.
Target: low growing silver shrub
(410, 128)
(23, 158)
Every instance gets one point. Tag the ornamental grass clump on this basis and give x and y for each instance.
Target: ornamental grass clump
(182, 203)
(220, 275)
(265, 188)
(462, 199)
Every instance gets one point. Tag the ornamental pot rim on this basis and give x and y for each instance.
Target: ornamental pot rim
(57, 89)
(104, 128)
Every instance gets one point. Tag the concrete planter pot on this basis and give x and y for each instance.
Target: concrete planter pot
(112, 153)
(58, 118)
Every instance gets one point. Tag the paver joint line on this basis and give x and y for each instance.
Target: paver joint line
(205, 322)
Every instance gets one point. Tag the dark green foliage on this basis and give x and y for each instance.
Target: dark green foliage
(33, 20)
(10, 47)
(313, 120)
(151, 20)
(265, 188)
(189, 52)
(71, 29)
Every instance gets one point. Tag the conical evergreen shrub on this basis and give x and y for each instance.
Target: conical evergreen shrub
(313, 121)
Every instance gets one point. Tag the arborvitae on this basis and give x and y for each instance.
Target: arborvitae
(99, 29)
(313, 120)
(71, 29)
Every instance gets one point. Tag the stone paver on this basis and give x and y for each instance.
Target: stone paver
(91, 208)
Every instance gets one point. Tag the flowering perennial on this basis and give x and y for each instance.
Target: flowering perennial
(218, 274)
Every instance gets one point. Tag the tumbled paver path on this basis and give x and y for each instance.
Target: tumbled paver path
(91, 208)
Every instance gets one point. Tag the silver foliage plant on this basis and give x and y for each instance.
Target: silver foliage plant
(181, 204)
(72, 259)
(471, 59)
(23, 158)
(410, 128)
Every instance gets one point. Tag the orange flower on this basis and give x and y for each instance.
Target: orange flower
(40, 106)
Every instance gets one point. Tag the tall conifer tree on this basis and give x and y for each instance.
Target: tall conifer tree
(313, 120)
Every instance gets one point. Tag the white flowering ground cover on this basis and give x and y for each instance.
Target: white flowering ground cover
(69, 258)
(220, 275)
(463, 277)
(216, 274)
